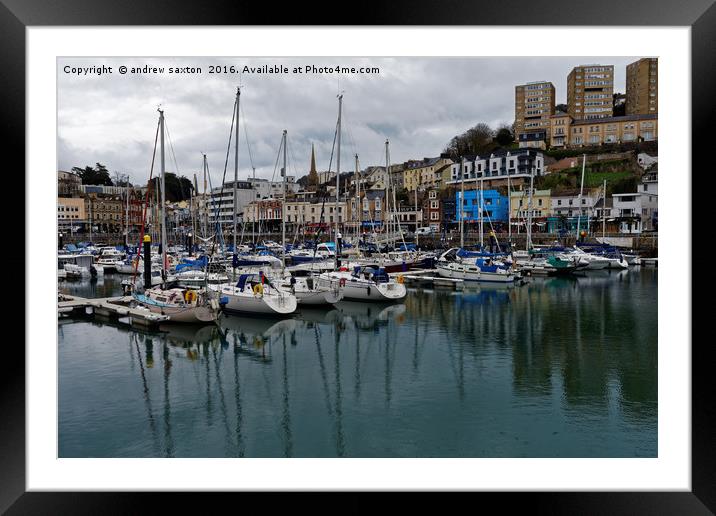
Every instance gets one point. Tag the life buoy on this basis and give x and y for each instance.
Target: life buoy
(258, 289)
(342, 282)
(190, 296)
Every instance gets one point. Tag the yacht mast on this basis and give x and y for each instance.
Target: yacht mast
(126, 217)
(89, 198)
(604, 209)
(388, 218)
(462, 196)
(163, 240)
(509, 209)
(482, 211)
(358, 207)
(283, 206)
(338, 180)
(579, 200)
(236, 163)
(529, 210)
(205, 214)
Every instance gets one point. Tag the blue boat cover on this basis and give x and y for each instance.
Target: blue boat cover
(242, 281)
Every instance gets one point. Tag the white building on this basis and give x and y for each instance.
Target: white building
(637, 211)
(645, 161)
(569, 204)
(266, 188)
(223, 201)
(517, 164)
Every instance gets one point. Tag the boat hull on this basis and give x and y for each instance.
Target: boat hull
(445, 271)
(192, 314)
(358, 289)
(247, 302)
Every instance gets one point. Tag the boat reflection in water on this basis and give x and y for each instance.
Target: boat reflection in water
(559, 367)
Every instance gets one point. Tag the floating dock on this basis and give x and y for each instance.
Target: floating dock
(108, 307)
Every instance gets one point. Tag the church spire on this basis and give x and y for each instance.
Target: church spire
(313, 160)
(313, 173)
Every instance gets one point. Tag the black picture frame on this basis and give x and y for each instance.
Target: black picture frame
(700, 15)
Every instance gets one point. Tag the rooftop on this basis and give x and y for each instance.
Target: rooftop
(626, 118)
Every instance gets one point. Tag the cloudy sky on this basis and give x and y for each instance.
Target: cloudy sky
(419, 104)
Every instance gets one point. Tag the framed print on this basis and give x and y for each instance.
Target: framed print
(417, 253)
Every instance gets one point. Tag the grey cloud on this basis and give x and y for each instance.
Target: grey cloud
(418, 103)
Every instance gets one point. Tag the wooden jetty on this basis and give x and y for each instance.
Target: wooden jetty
(108, 307)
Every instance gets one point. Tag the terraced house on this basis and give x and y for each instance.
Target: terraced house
(425, 173)
(568, 132)
(493, 170)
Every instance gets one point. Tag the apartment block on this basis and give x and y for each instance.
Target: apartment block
(589, 92)
(642, 87)
(534, 105)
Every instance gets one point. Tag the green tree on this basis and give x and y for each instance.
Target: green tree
(178, 188)
(504, 136)
(476, 140)
(99, 175)
(618, 109)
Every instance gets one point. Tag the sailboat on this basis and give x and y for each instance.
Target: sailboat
(181, 305)
(456, 263)
(254, 292)
(363, 283)
(306, 289)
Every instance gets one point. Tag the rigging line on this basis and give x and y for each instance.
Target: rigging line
(246, 137)
(335, 135)
(293, 158)
(174, 157)
(278, 155)
(347, 121)
(223, 179)
(220, 235)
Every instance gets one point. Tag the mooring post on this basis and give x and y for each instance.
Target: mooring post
(147, 262)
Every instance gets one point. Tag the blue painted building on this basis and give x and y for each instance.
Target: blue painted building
(495, 206)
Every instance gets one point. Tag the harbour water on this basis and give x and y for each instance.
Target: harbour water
(560, 367)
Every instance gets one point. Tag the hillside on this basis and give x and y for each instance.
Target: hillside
(622, 176)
